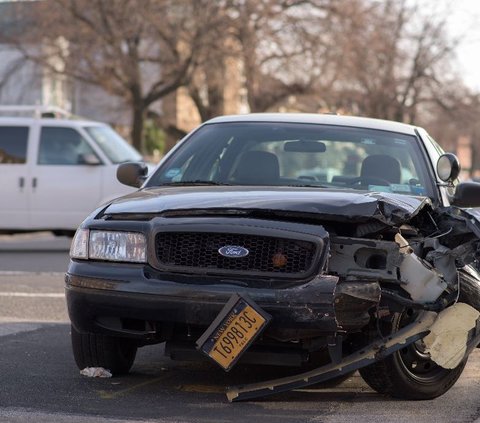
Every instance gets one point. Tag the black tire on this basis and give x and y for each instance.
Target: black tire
(470, 288)
(95, 350)
(409, 373)
(67, 233)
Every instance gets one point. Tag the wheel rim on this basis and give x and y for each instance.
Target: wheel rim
(416, 363)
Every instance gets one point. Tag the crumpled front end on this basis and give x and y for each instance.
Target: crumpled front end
(421, 268)
(332, 275)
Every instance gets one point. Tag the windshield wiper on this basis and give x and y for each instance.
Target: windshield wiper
(195, 182)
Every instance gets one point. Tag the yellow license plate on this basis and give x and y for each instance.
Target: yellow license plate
(233, 331)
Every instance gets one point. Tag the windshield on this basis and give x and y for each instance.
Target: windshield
(113, 145)
(289, 154)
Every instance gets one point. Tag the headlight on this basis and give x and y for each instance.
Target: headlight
(111, 246)
(79, 247)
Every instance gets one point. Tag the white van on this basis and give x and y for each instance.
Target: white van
(54, 172)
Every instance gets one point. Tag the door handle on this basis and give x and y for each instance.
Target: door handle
(21, 182)
(34, 183)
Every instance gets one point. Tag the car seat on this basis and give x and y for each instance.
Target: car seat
(381, 166)
(257, 168)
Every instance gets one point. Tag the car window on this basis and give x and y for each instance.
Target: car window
(339, 159)
(13, 144)
(299, 155)
(62, 146)
(113, 145)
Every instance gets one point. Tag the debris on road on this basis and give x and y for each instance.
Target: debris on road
(96, 372)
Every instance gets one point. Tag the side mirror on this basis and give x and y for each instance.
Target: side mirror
(467, 194)
(132, 174)
(448, 167)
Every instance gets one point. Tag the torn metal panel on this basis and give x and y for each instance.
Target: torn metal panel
(469, 287)
(364, 258)
(310, 306)
(447, 341)
(353, 300)
(375, 351)
(460, 226)
(447, 260)
(470, 218)
(423, 282)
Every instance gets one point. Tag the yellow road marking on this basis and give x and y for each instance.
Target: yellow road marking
(114, 395)
(204, 389)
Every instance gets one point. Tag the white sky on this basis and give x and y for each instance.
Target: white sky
(465, 23)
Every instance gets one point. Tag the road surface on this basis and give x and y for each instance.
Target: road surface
(37, 252)
(39, 381)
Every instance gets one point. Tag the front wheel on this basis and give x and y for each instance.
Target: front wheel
(95, 350)
(409, 373)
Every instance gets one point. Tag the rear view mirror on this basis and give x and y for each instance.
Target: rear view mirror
(305, 146)
(132, 174)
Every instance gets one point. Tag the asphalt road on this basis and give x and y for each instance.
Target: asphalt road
(39, 381)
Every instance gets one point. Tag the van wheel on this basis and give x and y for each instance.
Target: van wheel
(65, 232)
(95, 350)
(409, 373)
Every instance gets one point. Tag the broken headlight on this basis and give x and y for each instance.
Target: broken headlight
(109, 246)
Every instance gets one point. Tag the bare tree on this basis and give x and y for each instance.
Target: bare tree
(138, 51)
(395, 59)
(282, 47)
(381, 59)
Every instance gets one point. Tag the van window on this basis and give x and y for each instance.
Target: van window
(13, 144)
(113, 145)
(62, 146)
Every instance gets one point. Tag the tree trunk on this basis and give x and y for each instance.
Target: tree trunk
(138, 117)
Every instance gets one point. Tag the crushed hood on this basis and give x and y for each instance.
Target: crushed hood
(357, 206)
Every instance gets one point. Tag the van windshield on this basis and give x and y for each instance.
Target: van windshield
(113, 145)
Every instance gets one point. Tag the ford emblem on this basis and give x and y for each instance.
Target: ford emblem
(233, 251)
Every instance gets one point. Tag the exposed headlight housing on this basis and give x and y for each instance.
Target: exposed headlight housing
(110, 246)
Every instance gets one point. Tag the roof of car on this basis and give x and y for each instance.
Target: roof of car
(325, 119)
(8, 120)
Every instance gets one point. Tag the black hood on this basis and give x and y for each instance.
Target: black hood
(357, 206)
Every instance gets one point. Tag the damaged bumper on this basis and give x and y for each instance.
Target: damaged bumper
(115, 296)
(373, 352)
(437, 331)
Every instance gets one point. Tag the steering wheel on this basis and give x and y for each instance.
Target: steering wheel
(368, 180)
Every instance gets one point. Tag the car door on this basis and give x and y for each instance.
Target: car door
(65, 188)
(14, 199)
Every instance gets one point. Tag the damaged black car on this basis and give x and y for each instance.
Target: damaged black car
(325, 242)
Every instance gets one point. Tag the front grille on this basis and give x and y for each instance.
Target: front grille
(267, 255)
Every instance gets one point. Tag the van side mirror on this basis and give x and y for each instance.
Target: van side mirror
(132, 174)
(467, 194)
(448, 167)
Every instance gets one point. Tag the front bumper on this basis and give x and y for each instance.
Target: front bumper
(107, 298)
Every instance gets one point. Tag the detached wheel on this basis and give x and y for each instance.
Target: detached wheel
(409, 373)
(95, 350)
